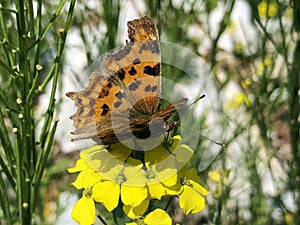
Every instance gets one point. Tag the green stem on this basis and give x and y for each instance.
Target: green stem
(5, 202)
(218, 219)
(31, 17)
(49, 24)
(33, 88)
(47, 135)
(294, 109)
(8, 149)
(8, 69)
(8, 9)
(21, 144)
(57, 64)
(41, 162)
(223, 26)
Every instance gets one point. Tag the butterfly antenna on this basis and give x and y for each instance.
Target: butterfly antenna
(202, 96)
(213, 141)
(172, 124)
(183, 109)
(206, 138)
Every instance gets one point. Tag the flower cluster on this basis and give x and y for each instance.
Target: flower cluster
(113, 178)
(267, 9)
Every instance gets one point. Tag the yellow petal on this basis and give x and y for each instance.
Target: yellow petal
(174, 190)
(133, 195)
(215, 176)
(78, 181)
(86, 179)
(120, 151)
(84, 211)
(135, 212)
(156, 190)
(80, 166)
(158, 217)
(170, 181)
(190, 174)
(98, 158)
(160, 153)
(191, 201)
(199, 188)
(90, 178)
(107, 193)
(134, 173)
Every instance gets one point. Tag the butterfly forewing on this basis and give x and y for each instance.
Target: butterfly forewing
(126, 100)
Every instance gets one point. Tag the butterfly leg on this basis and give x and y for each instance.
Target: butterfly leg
(167, 144)
(138, 153)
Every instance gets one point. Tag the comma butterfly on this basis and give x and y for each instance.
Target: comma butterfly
(126, 102)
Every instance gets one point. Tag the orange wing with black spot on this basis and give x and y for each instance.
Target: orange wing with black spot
(114, 106)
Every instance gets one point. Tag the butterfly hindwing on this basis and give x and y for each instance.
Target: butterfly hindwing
(126, 101)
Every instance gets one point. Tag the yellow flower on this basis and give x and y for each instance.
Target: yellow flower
(231, 26)
(237, 101)
(191, 198)
(288, 13)
(84, 211)
(268, 61)
(220, 178)
(156, 217)
(262, 65)
(136, 212)
(246, 83)
(267, 9)
(80, 166)
(289, 219)
(260, 68)
(118, 178)
(239, 48)
(214, 176)
(109, 177)
(162, 165)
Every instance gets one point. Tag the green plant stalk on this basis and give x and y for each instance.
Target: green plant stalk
(49, 24)
(101, 219)
(37, 37)
(24, 137)
(44, 154)
(7, 46)
(20, 180)
(283, 37)
(294, 108)
(9, 174)
(32, 91)
(5, 202)
(55, 71)
(47, 79)
(223, 26)
(31, 17)
(218, 219)
(6, 142)
(3, 27)
(45, 130)
(282, 49)
(8, 69)
(296, 14)
(111, 16)
(8, 151)
(5, 138)
(20, 142)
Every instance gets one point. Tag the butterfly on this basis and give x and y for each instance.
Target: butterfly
(125, 103)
